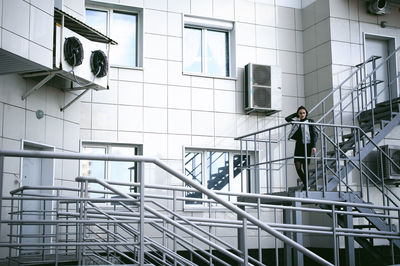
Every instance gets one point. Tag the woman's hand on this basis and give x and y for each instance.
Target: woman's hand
(313, 151)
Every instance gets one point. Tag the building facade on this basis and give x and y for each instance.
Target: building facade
(176, 83)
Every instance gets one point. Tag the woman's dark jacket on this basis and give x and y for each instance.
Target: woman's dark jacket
(298, 135)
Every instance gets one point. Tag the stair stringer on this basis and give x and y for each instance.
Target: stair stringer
(332, 184)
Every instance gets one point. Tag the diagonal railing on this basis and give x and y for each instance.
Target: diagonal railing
(348, 117)
(106, 222)
(245, 217)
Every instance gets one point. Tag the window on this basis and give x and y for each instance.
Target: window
(216, 170)
(111, 171)
(124, 28)
(207, 47)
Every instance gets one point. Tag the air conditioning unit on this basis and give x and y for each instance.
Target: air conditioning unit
(390, 172)
(263, 89)
(80, 60)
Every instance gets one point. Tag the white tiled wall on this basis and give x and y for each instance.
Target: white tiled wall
(27, 30)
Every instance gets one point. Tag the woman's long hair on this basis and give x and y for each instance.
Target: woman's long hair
(302, 108)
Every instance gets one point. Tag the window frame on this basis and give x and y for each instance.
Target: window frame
(231, 153)
(205, 24)
(107, 146)
(110, 9)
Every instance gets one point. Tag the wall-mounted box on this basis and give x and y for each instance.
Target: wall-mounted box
(262, 89)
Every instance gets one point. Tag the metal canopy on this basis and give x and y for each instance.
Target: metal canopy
(81, 28)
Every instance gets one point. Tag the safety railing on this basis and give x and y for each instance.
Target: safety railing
(80, 217)
(329, 169)
(109, 233)
(358, 92)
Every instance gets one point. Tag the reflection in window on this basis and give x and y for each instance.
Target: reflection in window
(97, 19)
(218, 171)
(122, 171)
(95, 169)
(217, 53)
(193, 169)
(206, 51)
(110, 171)
(122, 28)
(192, 50)
(241, 177)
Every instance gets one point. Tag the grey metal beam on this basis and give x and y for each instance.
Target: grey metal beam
(287, 250)
(349, 240)
(298, 237)
(39, 85)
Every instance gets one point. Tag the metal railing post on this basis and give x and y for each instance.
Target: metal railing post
(57, 225)
(241, 166)
(334, 235)
(142, 216)
(286, 160)
(276, 244)
(256, 172)
(259, 231)
(1, 189)
(210, 231)
(244, 241)
(270, 163)
(324, 158)
(86, 195)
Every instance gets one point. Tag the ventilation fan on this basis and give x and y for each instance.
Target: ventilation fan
(98, 63)
(73, 51)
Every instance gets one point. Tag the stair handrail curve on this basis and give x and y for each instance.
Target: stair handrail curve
(368, 76)
(177, 174)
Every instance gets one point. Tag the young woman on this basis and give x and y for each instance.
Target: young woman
(302, 133)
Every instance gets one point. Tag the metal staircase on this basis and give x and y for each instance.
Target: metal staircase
(351, 122)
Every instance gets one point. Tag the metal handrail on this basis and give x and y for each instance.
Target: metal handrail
(244, 195)
(323, 125)
(347, 79)
(159, 163)
(284, 227)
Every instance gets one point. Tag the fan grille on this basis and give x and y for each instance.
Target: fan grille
(99, 63)
(262, 97)
(73, 51)
(262, 75)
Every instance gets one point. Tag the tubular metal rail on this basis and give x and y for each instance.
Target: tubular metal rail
(363, 112)
(87, 227)
(73, 225)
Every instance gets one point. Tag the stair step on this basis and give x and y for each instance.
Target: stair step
(369, 84)
(366, 127)
(347, 142)
(363, 226)
(378, 117)
(386, 103)
(333, 153)
(378, 110)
